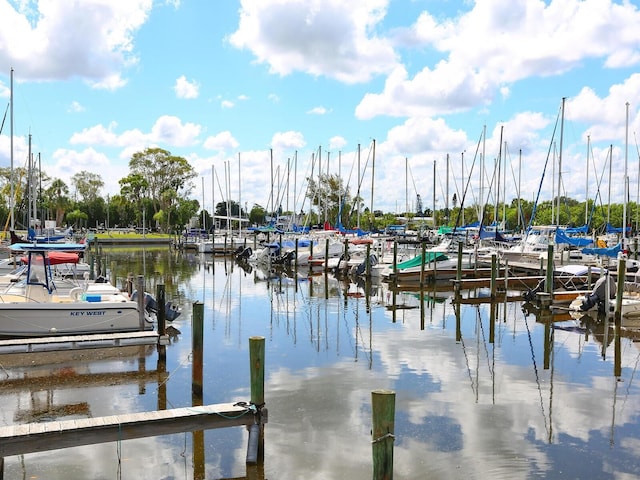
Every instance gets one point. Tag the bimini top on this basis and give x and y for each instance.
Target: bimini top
(47, 247)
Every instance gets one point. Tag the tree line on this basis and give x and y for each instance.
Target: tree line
(157, 193)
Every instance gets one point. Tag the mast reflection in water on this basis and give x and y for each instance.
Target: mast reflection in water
(508, 395)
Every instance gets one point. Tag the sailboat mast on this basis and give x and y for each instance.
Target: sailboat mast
(586, 188)
(560, 161)
(626, 179)
(406, 187)
(446, 198)
(213, 196)
(520, 191)
(609, 191)
(358, 196)
(12, 182)
(204, 220)
(434, 194)
(504, 188)
(373, 176)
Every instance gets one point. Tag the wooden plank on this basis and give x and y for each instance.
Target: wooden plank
(73, 342)
(83, 380)
(40, 437)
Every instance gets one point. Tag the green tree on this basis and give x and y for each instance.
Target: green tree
(257, 215)
(87, 186)
(167, 178)
(56, 200)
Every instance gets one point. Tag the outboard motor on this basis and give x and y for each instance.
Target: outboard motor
(598, 295)
(150, 303)
(530, 294)
(245, 254)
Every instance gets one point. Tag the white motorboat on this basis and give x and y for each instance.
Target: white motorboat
(34, 307)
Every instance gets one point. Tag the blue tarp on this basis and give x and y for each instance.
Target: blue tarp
(608, 252)
(562, 237)
(493, 235)
(575, 230)
(610, 229)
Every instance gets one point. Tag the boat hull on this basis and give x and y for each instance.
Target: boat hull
(27, 319)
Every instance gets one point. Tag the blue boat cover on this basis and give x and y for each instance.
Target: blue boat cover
(608, 251)
(562, 237)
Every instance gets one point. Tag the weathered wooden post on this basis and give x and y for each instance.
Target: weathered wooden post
(196, 389)
(141, 309)
(113, 277)
(368, 264)
(296, 264)
(459, 264)
(622, 269)
(161, 318)
(383, 405)
(424, 251)
(129, 284)
(494, 276)
(345, 255)
(549, 276)
(395, 259)
(326, 255)
(256, 431)
(197, 331)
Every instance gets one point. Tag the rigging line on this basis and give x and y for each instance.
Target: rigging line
(546, 163)
(466, 361)
(484, 341)
(553, 369)
(467, 186)
(535, 369)
(517, 187)
(360, 180)
(598, 183)
(633, 374)
(4, 117)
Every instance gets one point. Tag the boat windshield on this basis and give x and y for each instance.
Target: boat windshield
(38, 270)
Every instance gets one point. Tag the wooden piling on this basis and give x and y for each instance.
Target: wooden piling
(622, 268)
(112, 275)
(459, 264)
(161, 316)
(255, 445)
(494, 276)
(548, 287)
(424, 251)
(395, 258)
(256, 359)
(141, 309)
(197, 331)
(368, 264)
(383, 405)
(326, 255)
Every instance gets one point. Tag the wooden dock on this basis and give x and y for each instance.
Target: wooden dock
(75, 342)
(40, 437)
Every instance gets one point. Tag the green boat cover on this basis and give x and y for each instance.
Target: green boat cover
(417, 261)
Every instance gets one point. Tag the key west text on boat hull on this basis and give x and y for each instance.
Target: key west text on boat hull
(52, 318)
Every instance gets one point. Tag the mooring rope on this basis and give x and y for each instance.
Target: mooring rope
(384, 437)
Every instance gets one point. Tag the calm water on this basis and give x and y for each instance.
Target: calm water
(475, 399)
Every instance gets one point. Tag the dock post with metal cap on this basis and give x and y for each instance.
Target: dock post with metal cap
(383, 406)
(255, 447)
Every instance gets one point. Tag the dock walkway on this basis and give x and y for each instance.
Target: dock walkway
(39, 437)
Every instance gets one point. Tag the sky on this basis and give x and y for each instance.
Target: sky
(483, 100)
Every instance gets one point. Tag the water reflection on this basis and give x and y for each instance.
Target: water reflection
(481, 390)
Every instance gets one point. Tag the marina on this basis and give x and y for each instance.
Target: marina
(505, 388)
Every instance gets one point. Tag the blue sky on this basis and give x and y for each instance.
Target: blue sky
(224, 84)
